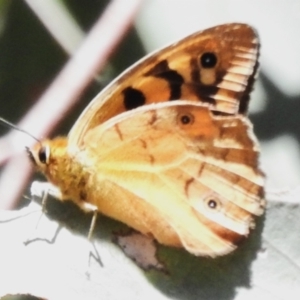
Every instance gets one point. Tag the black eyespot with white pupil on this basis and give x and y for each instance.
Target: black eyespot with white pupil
(211, 203)
(208, 60)
(43, 155)
(185, 118)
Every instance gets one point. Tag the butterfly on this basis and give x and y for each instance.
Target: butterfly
(167, 147)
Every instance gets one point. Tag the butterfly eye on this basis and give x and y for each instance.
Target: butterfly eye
(208, 60)
(186, 119)
(43, 155)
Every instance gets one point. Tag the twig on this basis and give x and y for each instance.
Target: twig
(63, 27)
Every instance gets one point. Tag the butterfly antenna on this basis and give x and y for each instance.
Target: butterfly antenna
(10, 125)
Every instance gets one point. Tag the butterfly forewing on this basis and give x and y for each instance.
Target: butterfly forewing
(215, 66)
(175, 159)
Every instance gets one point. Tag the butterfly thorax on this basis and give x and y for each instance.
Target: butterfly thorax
(61, 169)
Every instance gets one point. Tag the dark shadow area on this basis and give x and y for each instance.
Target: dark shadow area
(281, 115)
(70, 216)
(21, 297)
(189, 277)
(194, 278)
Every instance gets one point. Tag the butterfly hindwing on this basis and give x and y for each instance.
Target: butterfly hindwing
(195, 173)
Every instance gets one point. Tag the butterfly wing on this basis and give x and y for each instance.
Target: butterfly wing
(216, 66)
(177, 172)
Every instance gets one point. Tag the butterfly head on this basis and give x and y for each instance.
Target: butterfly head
(47, 155)
(39, 155)
(51, 158)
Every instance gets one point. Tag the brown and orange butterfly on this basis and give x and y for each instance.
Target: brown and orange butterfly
(185, 171)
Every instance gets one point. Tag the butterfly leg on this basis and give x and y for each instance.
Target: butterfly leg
(93, 252)
(42, 190)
